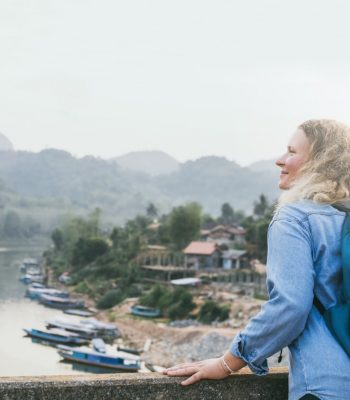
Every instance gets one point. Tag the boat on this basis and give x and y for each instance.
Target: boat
(129, 350)
(75, 327)
(35, 293)
(117, 361)
(142, 311)
(56, 335)
(29, 263)
(79, 313)
(37, 285)
(102, 328)
(32, 277)
(59, 302)
(99, 345)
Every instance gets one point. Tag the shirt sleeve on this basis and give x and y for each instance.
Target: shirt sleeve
(290, 284)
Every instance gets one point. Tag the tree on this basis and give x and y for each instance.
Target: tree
(184, 224)
(87, 250)
(227, 213)
(212, 311)
(152, 211)
(57, 238)
(262, 206)
(12, 224)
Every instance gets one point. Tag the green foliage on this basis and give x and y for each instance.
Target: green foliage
(83, 288)
(86, 251)
(227, 213)
(110, 299)
(152, 211)
(257, 227)
(173, 303)
(261, 207)
(184, 224)
(212, 311)
(12, 225)
(57, 238)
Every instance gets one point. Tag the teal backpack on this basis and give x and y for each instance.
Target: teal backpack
(338, 317)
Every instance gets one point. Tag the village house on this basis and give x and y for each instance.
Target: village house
(202, 255)
(232, 259)
(224, 235)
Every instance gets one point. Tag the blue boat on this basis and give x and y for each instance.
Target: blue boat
(56, 335)
(99, 345)
(29, 263)
(79, 313)
(30, 277)
(143, 311)
(117, 361)
(60, 303)
(35, 293)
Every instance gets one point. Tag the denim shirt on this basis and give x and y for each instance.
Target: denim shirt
(303, 260)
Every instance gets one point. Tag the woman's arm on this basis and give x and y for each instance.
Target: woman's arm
(214, 368)
(290, 280)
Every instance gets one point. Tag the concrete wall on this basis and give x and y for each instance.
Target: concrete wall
(144, 386)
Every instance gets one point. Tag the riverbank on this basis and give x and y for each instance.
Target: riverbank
(166, 345)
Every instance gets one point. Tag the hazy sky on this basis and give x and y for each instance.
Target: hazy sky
(189, 77)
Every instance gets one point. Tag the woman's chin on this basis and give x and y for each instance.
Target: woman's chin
(283, 185)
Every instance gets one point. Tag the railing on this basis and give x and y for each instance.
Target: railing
(243, 385)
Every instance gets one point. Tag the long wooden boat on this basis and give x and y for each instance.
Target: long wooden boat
(75, 327)
(143, 311)
(117, 361)
(56, 335)
(29, 278)
(29, 263)
(61, 303)
(35, 293)
(79, 313)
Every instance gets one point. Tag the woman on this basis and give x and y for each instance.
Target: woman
(303, 262)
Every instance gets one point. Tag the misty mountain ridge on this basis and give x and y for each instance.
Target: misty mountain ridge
(152, 162)
(5, 143)
(62, 182)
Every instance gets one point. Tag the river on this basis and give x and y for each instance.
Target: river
(20, 355)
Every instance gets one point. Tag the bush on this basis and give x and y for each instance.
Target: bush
(212, 311)
(110, 299)
(173, 303)
(83, 288)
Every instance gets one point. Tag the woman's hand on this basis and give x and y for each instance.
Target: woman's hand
(212, 368)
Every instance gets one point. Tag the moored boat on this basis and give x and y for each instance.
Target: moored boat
(29, 278)
(102, 328)
(79, 313)
(116, 361)
(61, 303)
(99, 345)
(36, 293)
(29, 263)
(142, 311)
(56, 335)
(129, 350)
(75, 327)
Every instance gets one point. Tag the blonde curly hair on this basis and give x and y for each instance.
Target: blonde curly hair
(325, 177)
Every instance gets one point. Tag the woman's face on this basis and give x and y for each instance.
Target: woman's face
(297, 154)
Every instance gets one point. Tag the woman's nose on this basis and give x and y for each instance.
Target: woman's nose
(280, 161)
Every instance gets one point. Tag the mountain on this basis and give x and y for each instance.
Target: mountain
(46, 185)
(214, 180)
(265, 166)
(153, 163)
(5, 144)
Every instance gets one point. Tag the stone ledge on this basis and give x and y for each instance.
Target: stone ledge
(244, 385)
